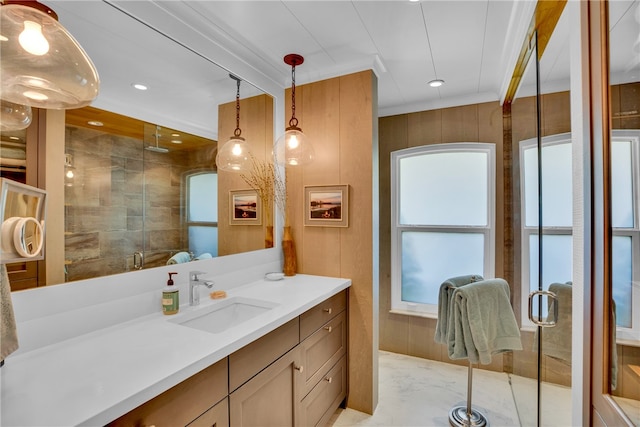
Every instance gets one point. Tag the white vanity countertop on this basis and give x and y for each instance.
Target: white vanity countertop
(97, 377)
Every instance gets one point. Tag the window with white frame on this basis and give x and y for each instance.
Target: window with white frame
(202, 212)
(442, 220)
(557, 205)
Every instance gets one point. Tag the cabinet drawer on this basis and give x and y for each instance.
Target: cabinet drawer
(254, 357)
(317, 316)
(322, 350)
(182, 403)
(317, 408)
(218, 416)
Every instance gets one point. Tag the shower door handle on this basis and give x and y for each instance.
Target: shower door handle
(138, 260)
(542, 323)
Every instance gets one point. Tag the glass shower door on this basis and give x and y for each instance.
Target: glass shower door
(542, 227)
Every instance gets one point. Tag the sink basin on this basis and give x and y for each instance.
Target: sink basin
(225, 314)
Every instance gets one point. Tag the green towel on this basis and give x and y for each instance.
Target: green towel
(444, 302)
(483, 322)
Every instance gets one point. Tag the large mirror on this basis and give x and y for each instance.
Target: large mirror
(141, 188)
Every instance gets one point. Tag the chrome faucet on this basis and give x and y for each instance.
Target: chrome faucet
(194, 282)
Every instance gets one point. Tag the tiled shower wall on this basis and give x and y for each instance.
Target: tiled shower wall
(124, 199)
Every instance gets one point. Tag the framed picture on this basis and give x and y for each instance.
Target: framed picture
(244, 207)
(326, 205)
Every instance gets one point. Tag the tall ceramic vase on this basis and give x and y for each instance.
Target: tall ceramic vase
(268, 236)
(290, 265)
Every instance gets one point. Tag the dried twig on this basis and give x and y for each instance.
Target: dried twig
(265, 179)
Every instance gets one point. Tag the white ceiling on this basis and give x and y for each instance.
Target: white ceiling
(471, 45)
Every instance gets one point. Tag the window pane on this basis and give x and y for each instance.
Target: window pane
(203, 240)
(444, 189)
(556, 186)
(621, 184)
(557, 259)
(622, 279)
(428, 259)
(203, 197)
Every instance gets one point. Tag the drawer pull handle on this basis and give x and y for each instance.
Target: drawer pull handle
(328, 310)
(299, 368)
(328, 328)
(329, 380)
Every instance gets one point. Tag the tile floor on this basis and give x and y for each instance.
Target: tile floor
(420, 392)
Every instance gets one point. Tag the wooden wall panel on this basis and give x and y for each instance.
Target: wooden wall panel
(320, 249)
(256, 123)
(394, 131)
(424, 128)
(410, 334)
(338, 115)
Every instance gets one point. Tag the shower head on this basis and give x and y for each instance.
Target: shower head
(156, 149)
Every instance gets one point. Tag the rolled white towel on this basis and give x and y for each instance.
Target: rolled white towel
(179, 258)
(204, 255)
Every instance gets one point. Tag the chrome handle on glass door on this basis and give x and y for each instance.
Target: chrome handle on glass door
(539, 322)
(138, 260)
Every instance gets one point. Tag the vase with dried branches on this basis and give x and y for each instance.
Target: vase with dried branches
(270, 184)
(261, 178)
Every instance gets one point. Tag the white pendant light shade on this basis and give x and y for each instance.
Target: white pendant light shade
(42, 64)
(234, 156)
(14, 116)
(293, 148)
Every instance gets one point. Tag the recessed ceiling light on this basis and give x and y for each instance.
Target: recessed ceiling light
(95, 123)
(15, 138)
(176, 141)
(139, 86)
(436, 83)
(175, 134)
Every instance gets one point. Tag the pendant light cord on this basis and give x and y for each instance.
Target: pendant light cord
(237, 132)
(293, 122)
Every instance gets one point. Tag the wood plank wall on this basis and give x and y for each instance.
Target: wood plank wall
(256, 124)
(339, 116)
(414, 335)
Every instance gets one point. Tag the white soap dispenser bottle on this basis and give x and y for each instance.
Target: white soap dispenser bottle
(170, 297)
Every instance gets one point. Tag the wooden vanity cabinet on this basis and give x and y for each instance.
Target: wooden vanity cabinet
(270, 398)
(186, 402)
(296, 375)
(304, 386)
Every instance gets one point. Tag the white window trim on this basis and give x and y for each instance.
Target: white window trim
(431, 310)
(526, 232)
(631, 336)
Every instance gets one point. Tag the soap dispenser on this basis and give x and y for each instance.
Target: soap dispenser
(170, 297)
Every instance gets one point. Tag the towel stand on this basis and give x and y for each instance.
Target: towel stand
(461, 416)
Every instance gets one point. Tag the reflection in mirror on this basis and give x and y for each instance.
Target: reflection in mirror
(142, 188)
(22, 219)
(624, 55)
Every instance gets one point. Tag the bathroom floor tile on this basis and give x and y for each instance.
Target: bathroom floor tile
(420, 392)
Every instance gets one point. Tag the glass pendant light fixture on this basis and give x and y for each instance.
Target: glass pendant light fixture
(293, 148)
(14, 116)
(234, 155)
(42, 64)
